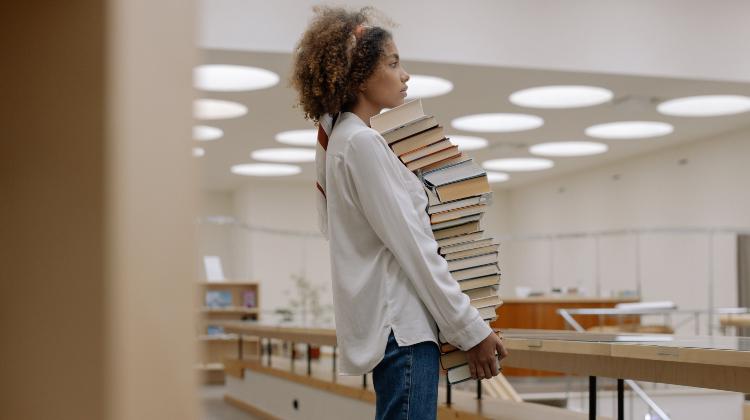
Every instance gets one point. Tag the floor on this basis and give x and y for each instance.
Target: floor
(214, 407)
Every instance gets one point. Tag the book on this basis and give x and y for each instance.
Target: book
(426, 151)
(218, 298)
(462, 373)
(456, 231)
(446, 162)
(477, 282)
(472, 252)
(410, 129)
(446, 347)
(214, 330)
(397, 117)
(453, 173)
(456, 222)
(460, 239)
(418, 141)
(464, 202)
(249, 299)
(435, 157)
(457, 213)
(462, 189)
(481, 292)
(472, 261)
(493, 301)
(466, 245)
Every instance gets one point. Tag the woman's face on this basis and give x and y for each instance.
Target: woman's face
(386, 88)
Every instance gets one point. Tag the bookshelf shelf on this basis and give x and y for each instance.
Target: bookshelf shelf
(229, 310)
(225, 301)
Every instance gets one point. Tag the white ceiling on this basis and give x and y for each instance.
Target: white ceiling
(478, 89)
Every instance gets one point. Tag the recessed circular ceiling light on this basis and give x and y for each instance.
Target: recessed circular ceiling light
(298, 137)
(284, 154)
(705, 106)
(421, 86)
(198, 151)
(497, 123)
(232, 78)
(564, 96)
(518, 164)
(494, 177)
(206, 133)
(265, 169)
(629, 130)
(568, 148)
(468, 142)
(214, 109)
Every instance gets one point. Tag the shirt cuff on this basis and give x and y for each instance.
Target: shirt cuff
(471, 335)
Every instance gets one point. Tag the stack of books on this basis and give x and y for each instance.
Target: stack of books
(458, 195)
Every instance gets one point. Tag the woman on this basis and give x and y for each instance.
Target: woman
(390, 285)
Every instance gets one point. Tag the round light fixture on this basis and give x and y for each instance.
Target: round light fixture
(215, 109)
(198, 151)
(494, 177)
(468, 142)
(232, 78)
(563, 96)
(206, 133)
(284, 154)
(629, 130)
(518, 164)
(421, 86)
(568, 148)
(265, 169)
(298, 137)
(497, 123)
(705, 106)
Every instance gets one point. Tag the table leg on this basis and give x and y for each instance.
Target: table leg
(592, 397)
(620, 399)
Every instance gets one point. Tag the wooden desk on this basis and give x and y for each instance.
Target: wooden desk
(541, 313)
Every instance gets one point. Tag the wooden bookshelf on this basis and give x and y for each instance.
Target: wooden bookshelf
(229, 301)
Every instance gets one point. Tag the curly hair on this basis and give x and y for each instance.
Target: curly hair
(329, 65)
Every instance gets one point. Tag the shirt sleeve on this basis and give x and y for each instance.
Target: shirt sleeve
(386, 204)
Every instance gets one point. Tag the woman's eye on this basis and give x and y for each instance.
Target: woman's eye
(394, 64)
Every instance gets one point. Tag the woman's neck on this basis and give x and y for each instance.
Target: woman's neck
(365, 110)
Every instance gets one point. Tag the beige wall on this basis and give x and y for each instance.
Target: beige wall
(98, 210)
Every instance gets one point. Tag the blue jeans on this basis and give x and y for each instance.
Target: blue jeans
(406, 381)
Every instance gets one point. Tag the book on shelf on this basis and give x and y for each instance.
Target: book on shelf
(218, 298)
(418, 141)
(214, 330)
(249, 299)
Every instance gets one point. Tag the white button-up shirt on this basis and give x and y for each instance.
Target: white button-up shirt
(387, 273)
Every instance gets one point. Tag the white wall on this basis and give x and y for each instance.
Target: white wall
(696, 269)
(215, 239)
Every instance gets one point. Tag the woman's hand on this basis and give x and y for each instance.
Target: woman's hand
(482, 358)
